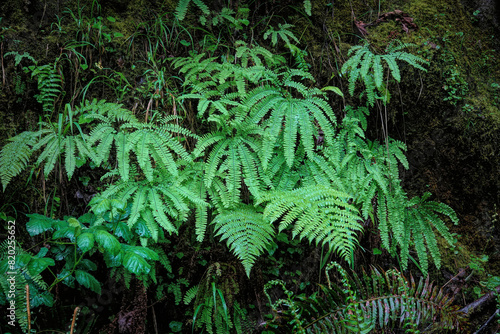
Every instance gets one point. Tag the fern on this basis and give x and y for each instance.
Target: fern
(377, 300)
(162, 202)
(230, 158)
(367, 172)
(286, 116)
(15, 155)
(49, 83)
(182, 7)
(364, 65)
(422, 218)
(214, 298)
(307, 7)
(26, 269)
(283, 32)
(247, 232)
(318, 213)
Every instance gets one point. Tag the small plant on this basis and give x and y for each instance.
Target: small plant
(475, 16)
(366, 66)
(455, 86)
(215, 309)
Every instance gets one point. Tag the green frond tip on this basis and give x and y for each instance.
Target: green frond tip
(307, 7)
(247, 231)
(182, 7)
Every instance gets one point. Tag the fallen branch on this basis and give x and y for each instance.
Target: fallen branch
(479, 302)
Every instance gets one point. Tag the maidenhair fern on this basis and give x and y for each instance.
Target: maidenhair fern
(377, 300)
(283, 32)
(235, 160)
(367, 66)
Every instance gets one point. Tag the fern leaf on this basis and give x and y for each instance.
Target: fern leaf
(122, 154)
(201, 215)
(15, 155)
(137, 206)
(247, 232)
(319, 213)
(290, 133)
(70, 162)
(156, 205)
(393, 66)
(214, 160)
(307, 7)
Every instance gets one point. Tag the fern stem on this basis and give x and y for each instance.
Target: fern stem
(28, 307)
(75, 314)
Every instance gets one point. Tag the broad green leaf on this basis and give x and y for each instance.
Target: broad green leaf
(107, 241)
(85, 241)
(36, 265)
(142, 251)
(38, 224)
(88, 281)
(135, 263)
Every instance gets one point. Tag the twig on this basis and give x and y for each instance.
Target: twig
(3, 68)
(479, 302)
(487, 322)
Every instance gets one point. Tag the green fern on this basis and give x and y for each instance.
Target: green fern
(366, 66)
(367, 173)
(26, 269)
(283, 115)
(15, 155)
(233, 159)
(307, 7)
(182, 7)
(318, 213)
(214, 299)
(49, 83)
(356, 304)
(162, 202)
(283, 32)
(247, 232)
(422, 218)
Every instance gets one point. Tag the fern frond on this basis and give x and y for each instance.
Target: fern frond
(247, 231)
(15, 155)
(182, 7)
(367, 67)
(318, 213)
(49, 83)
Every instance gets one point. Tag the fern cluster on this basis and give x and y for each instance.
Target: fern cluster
(354, 304)
(367, 66)
(367, 173)
(213, 301)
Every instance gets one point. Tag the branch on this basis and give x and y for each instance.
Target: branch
(479, 302)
